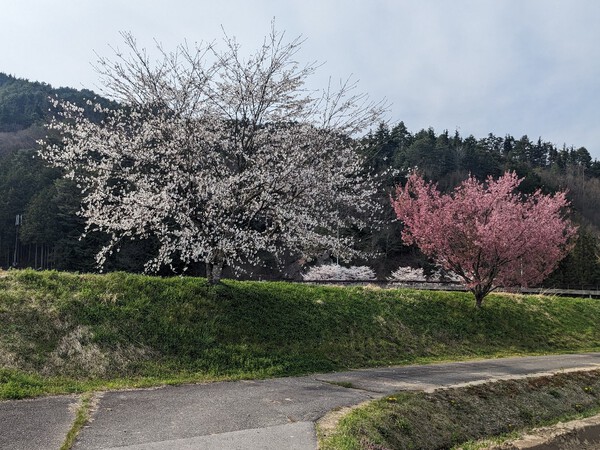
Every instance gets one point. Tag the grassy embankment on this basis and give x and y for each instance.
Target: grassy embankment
(466, 417)
(72, 333)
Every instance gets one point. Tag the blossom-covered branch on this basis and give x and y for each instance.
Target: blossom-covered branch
(216, 156)
(487, 234)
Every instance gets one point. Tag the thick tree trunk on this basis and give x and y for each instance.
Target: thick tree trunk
(479, 293)
(479, 300)
(213, 273)
(214, 270)
(209, 268)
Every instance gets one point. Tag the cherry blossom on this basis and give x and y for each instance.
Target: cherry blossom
(217, 156)
(329, 272)
(487, 234)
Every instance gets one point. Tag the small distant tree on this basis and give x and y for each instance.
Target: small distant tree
(407, 274)
(411, 274)
(486, 233)
(329, 272)
(217, 156)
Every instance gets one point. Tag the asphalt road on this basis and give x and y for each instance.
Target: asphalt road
(268, 414)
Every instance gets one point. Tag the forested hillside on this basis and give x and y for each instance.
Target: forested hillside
(449, 158)
(48, 234)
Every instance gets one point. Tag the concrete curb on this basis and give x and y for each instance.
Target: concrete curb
(577, 434)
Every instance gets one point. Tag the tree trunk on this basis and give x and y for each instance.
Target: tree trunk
(217, 270)
(479, 294)
(479, 300)
(214, 270)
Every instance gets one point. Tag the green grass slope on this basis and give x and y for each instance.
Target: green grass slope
(62, 332)
(453, 417)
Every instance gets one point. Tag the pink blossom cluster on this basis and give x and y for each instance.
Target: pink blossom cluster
(486, 233)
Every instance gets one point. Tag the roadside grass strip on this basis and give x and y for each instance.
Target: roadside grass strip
(462, 417)
(82, 417)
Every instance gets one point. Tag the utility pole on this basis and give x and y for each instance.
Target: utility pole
(18, 223)
(337, 256)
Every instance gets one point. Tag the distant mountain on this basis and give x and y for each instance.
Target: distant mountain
(25, 108)
(25, 103)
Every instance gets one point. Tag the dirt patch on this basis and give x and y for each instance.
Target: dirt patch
(327, 424)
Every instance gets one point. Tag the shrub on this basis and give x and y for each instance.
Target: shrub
(339, 273)
(408, 274)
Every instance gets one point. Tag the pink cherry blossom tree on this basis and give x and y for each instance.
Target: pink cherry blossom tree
(220, 156)
(486, 233)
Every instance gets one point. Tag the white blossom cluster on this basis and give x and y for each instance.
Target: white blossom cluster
(217, 156)
(335, 272)
(411, 274)
(404, 274)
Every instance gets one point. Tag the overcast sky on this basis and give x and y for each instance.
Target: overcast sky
(502, 66)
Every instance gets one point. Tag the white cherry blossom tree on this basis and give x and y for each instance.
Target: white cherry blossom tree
(335, 272)
(217, 156)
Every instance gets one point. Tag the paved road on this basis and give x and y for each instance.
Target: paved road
(268, 414)
(38, 424)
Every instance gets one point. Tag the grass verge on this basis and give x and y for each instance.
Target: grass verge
(82, 416)
(454, 417)
(65, 333)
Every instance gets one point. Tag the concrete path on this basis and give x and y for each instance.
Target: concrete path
(267, 414)
(38, 424)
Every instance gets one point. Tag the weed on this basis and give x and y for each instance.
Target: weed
(82, 417)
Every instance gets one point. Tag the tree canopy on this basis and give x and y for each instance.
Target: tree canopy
(217, 157)
(487, 234)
